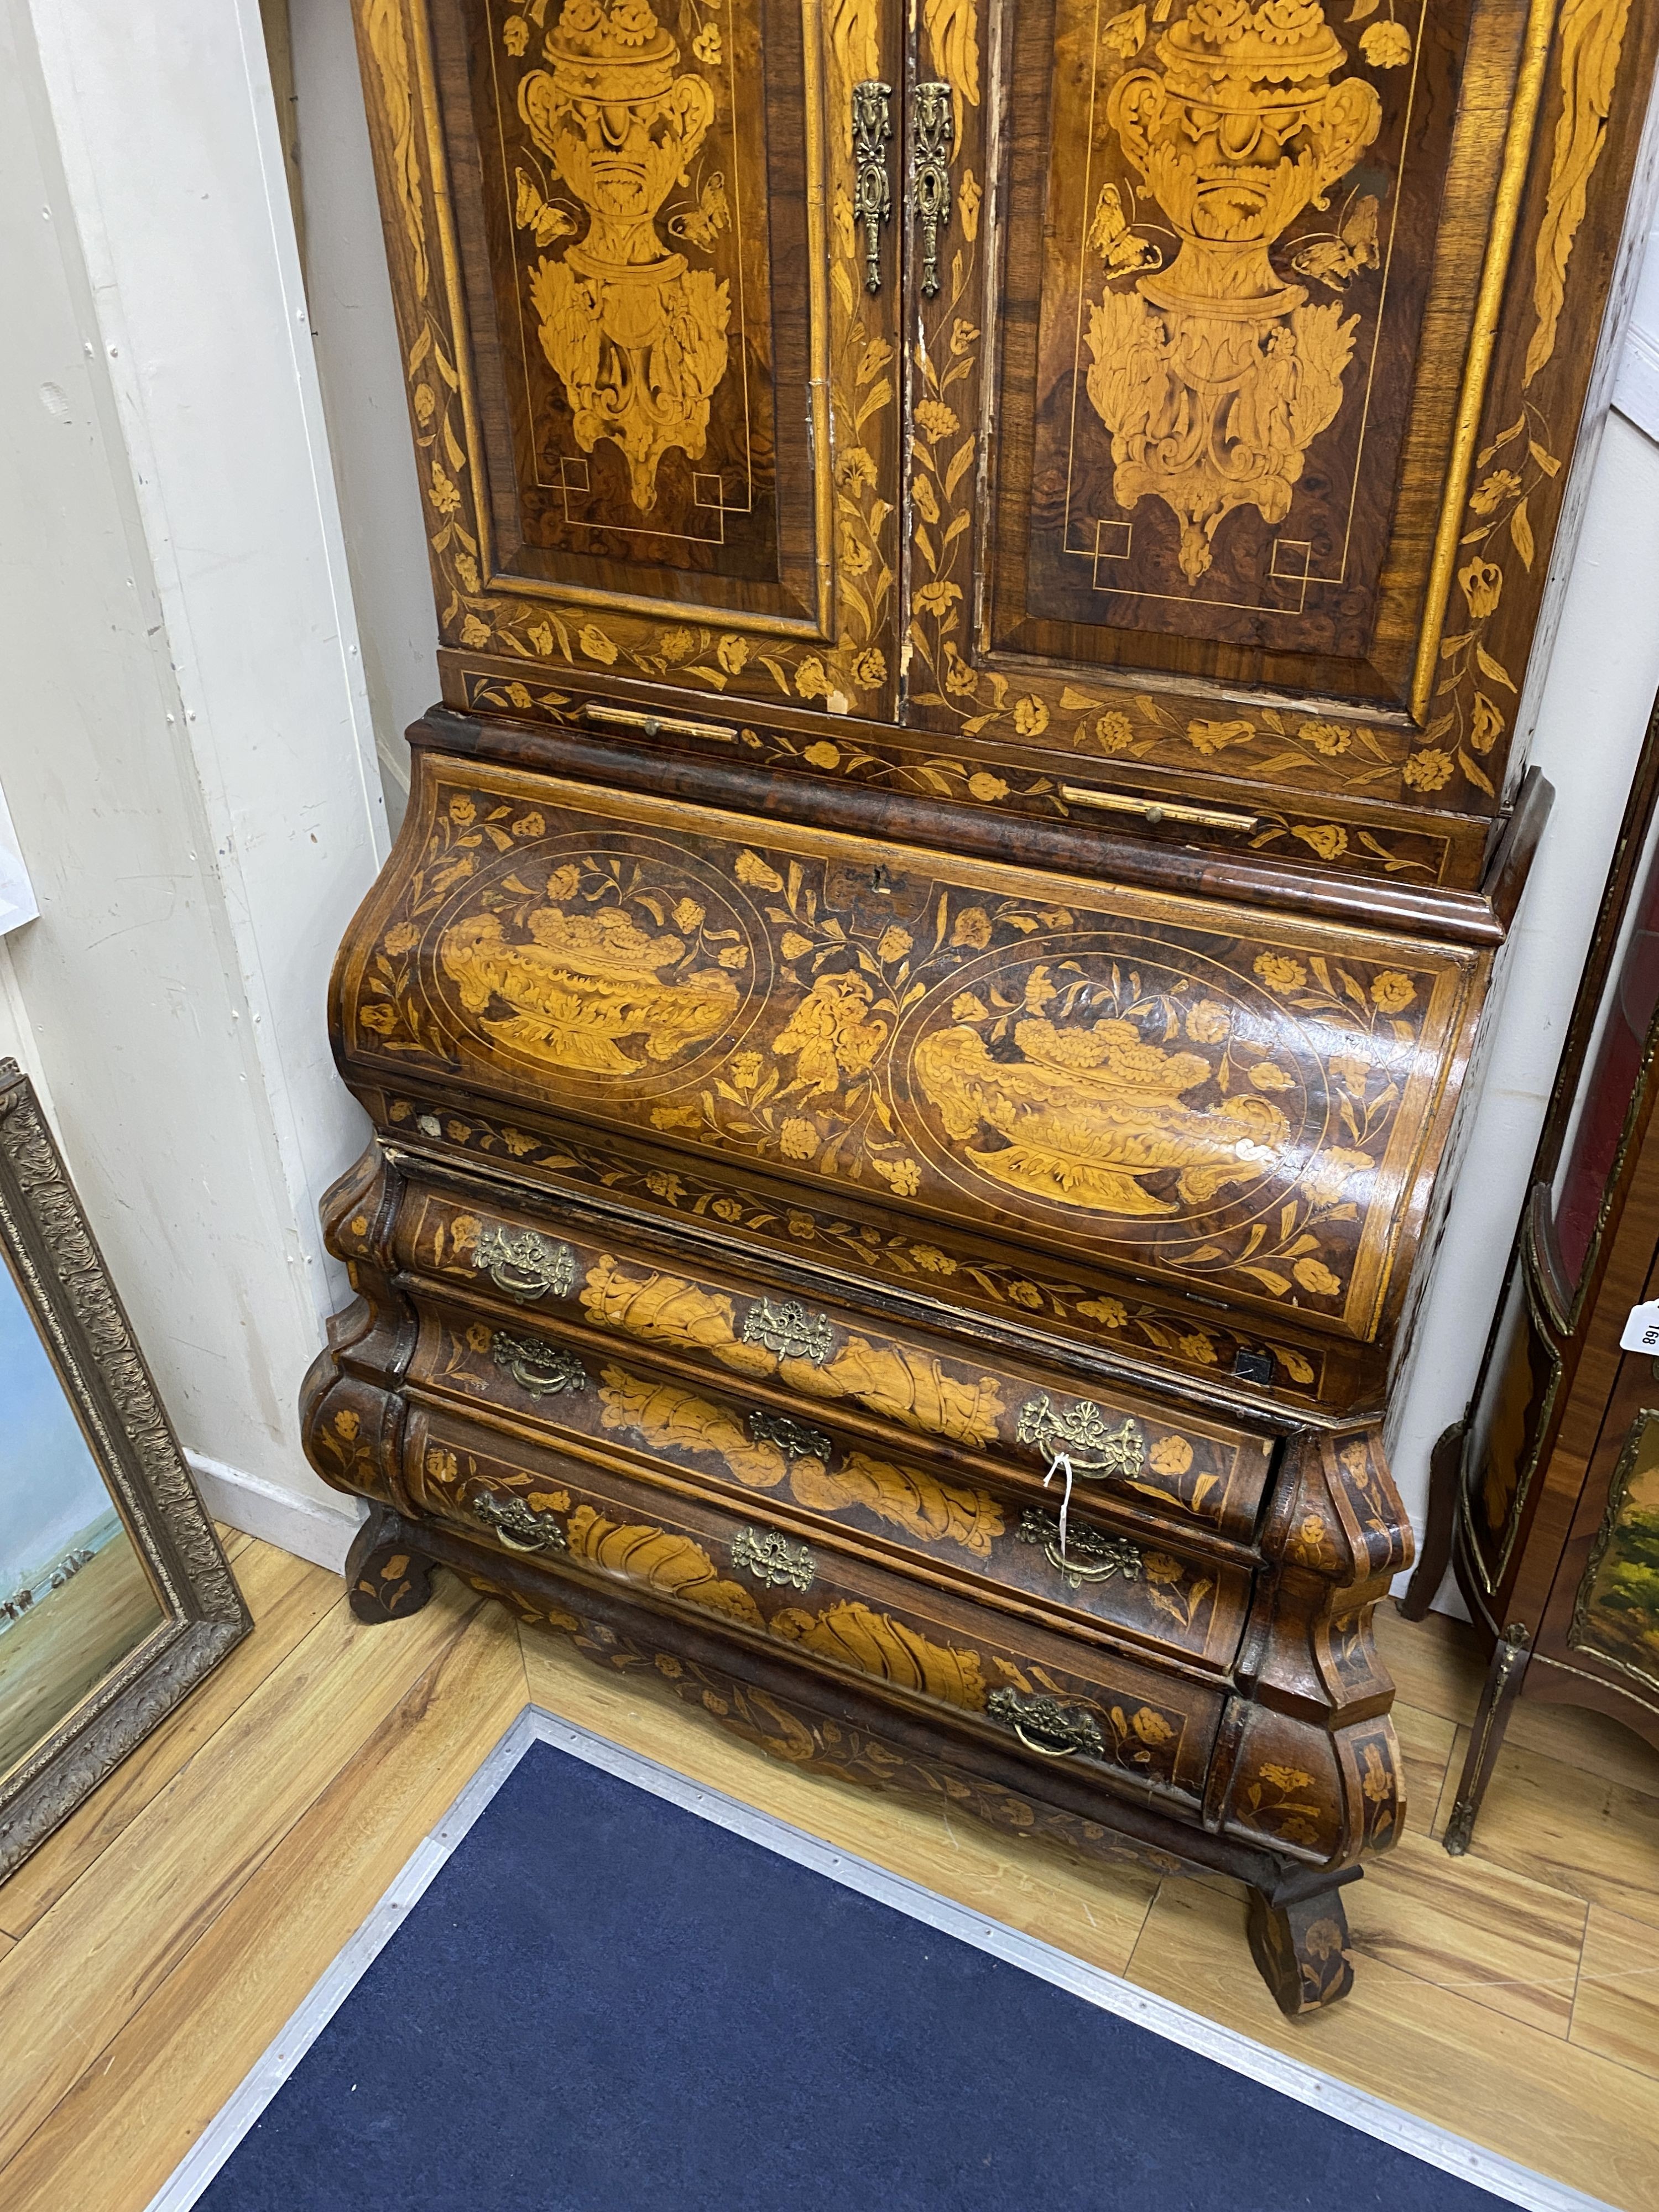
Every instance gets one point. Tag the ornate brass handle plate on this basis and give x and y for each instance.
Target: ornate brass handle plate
(1081, 1436)
(654, 725)
(1044, 1725)
(773, 1559)
(514, 1524)
(545, 1371)
(1078, 1443)
(789, 1330)
(1155, 810)
(525, 1266)
(793, 1439)
(933, 136)
(1085, 1555)
(872, 190)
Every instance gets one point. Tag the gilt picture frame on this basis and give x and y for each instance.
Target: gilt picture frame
(114, 1624)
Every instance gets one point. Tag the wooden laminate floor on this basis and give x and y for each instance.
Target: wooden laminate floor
(150, 1950)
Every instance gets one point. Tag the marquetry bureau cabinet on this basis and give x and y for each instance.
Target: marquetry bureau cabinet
(986, 556)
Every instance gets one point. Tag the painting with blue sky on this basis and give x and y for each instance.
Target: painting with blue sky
(51, 1491)
(75, 1597)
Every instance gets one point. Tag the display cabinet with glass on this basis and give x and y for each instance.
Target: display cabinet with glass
(1547, 1498)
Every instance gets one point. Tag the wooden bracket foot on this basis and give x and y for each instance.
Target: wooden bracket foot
(1302, 1949)
(386, 1579)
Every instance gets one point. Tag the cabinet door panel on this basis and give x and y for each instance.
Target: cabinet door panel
(1242, 410)
(645, 256)
(629, 280)
(1227, 312)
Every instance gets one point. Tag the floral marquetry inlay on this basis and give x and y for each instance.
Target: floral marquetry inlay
(1121, 1072)
(603, 378)
(1218, 341)
(1239, 227)
(636, 332)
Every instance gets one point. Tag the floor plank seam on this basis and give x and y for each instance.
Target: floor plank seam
(102, 2052)
(1624, 1974)
(104, 2055)
(1488, 1981)
(174, 1780)
(1508, 2044)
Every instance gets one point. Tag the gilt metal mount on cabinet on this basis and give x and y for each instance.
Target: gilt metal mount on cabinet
(932, 136)
(952, 906)
(873, 193)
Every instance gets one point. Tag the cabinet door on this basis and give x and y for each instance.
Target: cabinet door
(1241, 406)
(650, 347)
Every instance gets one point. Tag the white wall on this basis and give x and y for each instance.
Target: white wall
(1593, 709)
(185, 741)
(360, 359)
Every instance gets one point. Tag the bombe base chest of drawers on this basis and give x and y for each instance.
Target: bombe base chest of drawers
(917, 1017)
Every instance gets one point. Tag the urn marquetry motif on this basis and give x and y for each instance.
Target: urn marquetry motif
(985, 558)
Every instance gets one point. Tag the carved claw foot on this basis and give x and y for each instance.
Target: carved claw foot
(1302, 1950)
(385, 1578)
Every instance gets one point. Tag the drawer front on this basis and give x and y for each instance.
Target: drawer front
(1007, 1418)
(1237, 1104)
(1003, 1538)
(764, 1579)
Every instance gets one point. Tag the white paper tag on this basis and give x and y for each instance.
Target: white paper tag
(1642, 1329)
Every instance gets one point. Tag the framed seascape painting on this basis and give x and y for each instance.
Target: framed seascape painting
(115, 1597)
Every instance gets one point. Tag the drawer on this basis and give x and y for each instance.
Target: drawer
(773, 1579)
(1217, 1101)
(1000, 1416)
(998, 1536)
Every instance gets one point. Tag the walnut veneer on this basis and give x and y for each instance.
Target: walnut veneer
(985, 560)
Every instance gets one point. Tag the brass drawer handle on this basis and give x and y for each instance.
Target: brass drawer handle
(545, 1371)
(773, 1559)
(873, 192)
(654, 725)
(789, 1330)
(525, 1266)
(932, 138)
(1045, 1726)
(792, 1438)
(1082, 1437)
(1156, 810)
(1079, 1554)
(514, 1524)
(1079, 1443)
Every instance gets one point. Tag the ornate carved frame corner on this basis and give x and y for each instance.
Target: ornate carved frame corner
(61, 1274)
